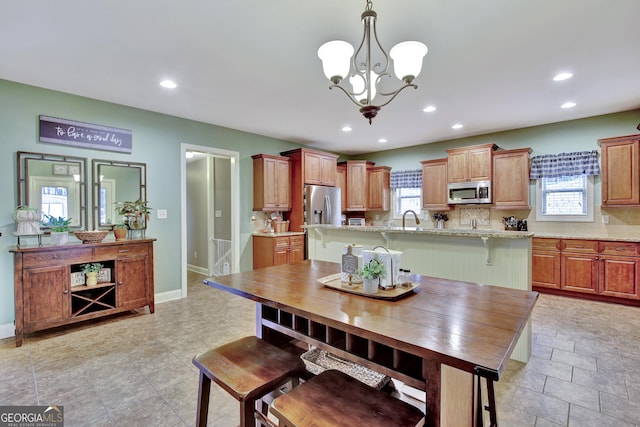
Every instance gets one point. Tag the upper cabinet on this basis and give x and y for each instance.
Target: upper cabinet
(271, 183)
(470, 163)
(511, 179)
(434, 185)
(379, 183)
(357, 184)
(341, 182)
(317, 167)
(620, 177)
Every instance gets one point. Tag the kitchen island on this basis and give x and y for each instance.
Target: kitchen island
(439, 339)
(491, 257)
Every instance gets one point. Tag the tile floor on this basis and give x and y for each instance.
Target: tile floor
(136, 370)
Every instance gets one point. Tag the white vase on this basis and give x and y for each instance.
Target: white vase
(59, 238)
(92, 278)
(370, 286)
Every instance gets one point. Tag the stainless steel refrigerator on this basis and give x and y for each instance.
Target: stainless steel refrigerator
(322, 205)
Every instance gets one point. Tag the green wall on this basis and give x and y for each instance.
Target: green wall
(156, 142)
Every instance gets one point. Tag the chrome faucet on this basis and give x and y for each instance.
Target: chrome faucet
(414, 214)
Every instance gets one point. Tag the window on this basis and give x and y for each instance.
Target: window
(565, 198)
(405, 199)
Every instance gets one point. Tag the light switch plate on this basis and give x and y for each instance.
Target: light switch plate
(218, 213)
(161, 214)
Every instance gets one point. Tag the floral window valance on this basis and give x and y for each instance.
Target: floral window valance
(565, 164)
(406, 179)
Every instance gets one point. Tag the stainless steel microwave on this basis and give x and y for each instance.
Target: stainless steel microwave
(471, 192)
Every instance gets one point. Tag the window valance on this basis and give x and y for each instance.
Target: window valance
(565, 164)
(406, 179)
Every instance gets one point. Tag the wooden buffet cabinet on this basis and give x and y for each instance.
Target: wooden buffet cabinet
(46, 298)
(595, 269)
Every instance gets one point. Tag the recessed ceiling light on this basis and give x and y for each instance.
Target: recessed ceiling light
(457, 126)
(568, 104)
(562, 76)
(382, 140)
(347, 129)
(429, 109)
(168, 84)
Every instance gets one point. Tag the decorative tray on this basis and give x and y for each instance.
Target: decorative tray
(334, 281)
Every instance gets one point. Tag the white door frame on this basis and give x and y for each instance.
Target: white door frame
(234, 158)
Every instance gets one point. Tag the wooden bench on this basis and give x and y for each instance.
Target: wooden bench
(336, 399)
(247, 369)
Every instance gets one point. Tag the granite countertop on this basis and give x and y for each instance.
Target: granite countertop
(286, 233)
(453, 232)
(608, 238)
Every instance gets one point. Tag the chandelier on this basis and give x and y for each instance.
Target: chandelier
(365, 70)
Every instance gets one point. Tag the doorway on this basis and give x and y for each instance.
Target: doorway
(210, 227)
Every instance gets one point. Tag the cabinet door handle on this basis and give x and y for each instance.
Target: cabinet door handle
(65, 292)
(120, 283)
(123, 250)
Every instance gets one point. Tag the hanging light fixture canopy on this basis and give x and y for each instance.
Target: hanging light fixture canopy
(339, 61)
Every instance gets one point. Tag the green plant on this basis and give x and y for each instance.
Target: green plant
(120, 225)
(373, 270)
(92, 267)
(133, 208)
(57, 224)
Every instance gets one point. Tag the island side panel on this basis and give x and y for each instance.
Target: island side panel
(448, 257)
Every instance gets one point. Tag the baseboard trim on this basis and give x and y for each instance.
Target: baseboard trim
(198, 269)
(7, 330)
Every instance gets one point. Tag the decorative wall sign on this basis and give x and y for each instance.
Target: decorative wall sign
(78, 134)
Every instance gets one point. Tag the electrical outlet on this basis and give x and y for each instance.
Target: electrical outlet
(161, 214)
(218, 214)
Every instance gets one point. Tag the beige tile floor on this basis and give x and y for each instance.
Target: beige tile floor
(136, 370)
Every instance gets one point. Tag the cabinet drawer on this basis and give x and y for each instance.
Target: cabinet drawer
(580, 246)
(49, 258)
(619, 248)
(297, 241)
(120, 251)
(539, 244)
(280, 242)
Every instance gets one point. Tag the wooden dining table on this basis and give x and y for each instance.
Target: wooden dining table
(444, 337)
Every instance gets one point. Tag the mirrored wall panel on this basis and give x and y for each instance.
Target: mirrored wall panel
(113, 183)
(55, 185)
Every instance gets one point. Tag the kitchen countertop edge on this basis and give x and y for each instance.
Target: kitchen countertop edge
(453, 232)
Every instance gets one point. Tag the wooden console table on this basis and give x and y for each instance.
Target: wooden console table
(437, 339)
(46, 296)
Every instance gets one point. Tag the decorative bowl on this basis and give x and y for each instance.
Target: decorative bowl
(91, 236)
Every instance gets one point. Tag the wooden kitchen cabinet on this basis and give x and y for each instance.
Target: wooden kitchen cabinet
(594, 269)
(277, 250)
(434, 185)
(511, 179)
(47, 296)
(379, 188)
(472, 163)
(357, 184)
(619, 270)
(579, 266)
(271, 183)
(545, 270)
(620, 176)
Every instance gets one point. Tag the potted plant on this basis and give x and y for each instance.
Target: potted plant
(28, 220)
(120, 231)
(371, 274)
(91, 270)
(59, 227)
(136, 214)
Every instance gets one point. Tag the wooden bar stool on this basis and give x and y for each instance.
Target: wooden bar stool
(247, 369)
(335, 399)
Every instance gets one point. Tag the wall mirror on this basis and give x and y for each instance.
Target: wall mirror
(54, 184)
(115, 182)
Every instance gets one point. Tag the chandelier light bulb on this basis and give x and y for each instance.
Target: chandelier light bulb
(360, 87)
(407, 59)
(336, 59)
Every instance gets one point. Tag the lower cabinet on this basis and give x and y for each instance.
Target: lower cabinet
(277, 250)
(49, 283)
(605, 270)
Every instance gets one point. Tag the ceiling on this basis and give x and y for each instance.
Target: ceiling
(252, 64)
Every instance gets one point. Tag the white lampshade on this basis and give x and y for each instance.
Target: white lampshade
(359, 90)
(407, 58)
(336, 57)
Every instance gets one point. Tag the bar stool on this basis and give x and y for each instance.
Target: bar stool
(335, 399)
(247, 369)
